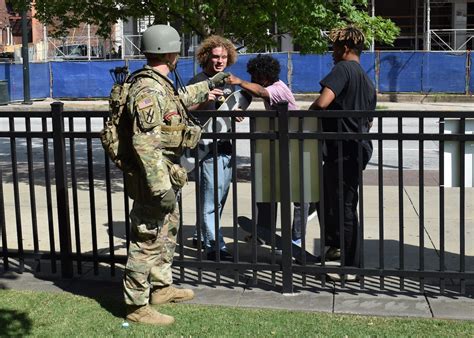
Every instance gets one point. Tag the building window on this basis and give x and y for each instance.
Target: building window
(144, 23)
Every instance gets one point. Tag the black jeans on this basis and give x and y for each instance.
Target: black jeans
(350, 199)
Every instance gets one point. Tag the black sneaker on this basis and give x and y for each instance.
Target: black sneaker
(224, 255)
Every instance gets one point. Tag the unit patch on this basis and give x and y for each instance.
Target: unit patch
(149, 116)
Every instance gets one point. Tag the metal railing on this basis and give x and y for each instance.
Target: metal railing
(61, 201)
(79, 48)
(452, 39)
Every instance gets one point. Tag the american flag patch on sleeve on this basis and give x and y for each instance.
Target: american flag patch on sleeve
(146, 102)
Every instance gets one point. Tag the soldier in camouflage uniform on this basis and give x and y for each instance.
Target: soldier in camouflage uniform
(161, 130)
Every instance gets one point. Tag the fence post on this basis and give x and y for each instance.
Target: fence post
(468, 72)
(62, 199)
(284, 150)
(3, 230)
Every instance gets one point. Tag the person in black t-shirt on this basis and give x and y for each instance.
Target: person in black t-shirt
(346, 87)
(214, 54)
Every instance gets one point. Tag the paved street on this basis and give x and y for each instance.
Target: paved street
(390, 148)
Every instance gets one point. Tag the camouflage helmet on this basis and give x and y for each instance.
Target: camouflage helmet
(160, 39)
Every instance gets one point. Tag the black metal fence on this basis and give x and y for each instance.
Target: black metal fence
(63, 203)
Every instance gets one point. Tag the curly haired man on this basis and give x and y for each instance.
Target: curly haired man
(214, 54)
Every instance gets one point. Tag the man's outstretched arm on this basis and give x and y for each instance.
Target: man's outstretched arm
(253, 88)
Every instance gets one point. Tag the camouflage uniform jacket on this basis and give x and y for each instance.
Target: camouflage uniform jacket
(160, 130)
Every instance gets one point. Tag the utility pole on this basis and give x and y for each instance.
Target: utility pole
(428, 26)
(25, 57)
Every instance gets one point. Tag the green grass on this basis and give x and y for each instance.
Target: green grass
(26, 313)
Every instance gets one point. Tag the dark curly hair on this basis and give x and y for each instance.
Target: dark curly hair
(204, 51)
(264, 67)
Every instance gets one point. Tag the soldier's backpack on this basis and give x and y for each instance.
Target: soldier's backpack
(116, 136)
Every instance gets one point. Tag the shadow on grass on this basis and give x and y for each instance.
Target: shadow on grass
(14, 323)
(107, 293)
(39, 276)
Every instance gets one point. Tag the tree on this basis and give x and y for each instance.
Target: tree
(256, 23)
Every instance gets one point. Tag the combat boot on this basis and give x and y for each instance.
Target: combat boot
(145, 314)
(170, 294)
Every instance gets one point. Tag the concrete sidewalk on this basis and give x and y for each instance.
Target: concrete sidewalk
(310, 294)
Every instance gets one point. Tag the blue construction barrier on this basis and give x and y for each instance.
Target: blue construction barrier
(309, 70)
(186, 69)
(444, 72)
(133, 65)
(400, 72)
(422, 72)
(368, 62)
(83, 79)
(39, 80)
(471, 74)
(416, 72)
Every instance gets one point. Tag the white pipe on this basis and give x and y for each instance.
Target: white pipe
(416, 24)
(424, 25)
(88, 42)
(122, 49)
(45, 42)
(428, 26)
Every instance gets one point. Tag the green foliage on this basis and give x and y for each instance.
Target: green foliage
(255, 23)
(42, 314)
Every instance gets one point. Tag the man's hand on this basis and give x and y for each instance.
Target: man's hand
(214, 94)
(233, 80)
(168, 202)
(217, 80)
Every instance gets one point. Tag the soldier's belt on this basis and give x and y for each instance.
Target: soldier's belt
(180, 135)
(179, 127)
(172, 136)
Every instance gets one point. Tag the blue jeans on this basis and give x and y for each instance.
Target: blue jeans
(208, 205)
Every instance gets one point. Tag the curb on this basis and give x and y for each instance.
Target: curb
(404, 97)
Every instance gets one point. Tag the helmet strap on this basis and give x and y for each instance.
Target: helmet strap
(170, 66)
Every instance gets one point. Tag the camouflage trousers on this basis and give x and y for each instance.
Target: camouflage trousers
(151, 251)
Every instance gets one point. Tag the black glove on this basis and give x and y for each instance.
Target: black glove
(217, 80)
(168, 202)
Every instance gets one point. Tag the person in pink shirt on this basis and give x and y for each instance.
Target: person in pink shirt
(266, 84)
